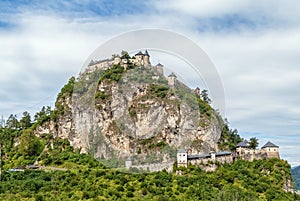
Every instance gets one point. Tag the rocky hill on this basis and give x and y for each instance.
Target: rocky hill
(134, 111)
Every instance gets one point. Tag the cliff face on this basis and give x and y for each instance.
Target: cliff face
(119, 113)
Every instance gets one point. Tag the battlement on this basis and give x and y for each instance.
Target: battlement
(139, 59)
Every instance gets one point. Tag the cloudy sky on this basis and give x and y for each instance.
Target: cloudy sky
(255, 46)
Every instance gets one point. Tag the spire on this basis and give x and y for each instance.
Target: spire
(172, 75)
(146, 53)
(139, 53)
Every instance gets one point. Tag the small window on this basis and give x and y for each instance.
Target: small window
(269, 149)
(183, 154)
(274, 149)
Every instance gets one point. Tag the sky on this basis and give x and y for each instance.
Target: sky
(255, 46)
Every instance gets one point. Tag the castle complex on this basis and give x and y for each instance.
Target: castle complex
(242, 151)
(139, 59)
(206, 160)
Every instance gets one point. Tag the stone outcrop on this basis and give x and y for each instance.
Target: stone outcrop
(138, 115)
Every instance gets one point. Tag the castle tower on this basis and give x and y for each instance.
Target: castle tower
(160, 69)
(182, 158)
(146, 59)
(139, 57)
(241, 148)
(271, 150)
(172, 79)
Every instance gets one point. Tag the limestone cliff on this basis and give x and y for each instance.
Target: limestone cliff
(132, 111)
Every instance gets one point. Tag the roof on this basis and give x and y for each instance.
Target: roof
(242, 144)
(159, 64)
(146, 53)
(198, 156)
(269, 144)
(181, 151)
(172, 75)
(223, 153)
(139, 53)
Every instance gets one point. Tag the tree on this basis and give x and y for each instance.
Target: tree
(125, 55)
(45, 112)
(29, 144)
(12, 122)
(253, 143)
(25, 121)
(204, 96)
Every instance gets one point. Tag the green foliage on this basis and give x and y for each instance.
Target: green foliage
(229, 138)
(125, 55)
(67, 90)
(115, 73)
(253, 143)
(25, 121)
(101, 95)
(158, 90)
(242, 180)
(12, 122)
(204, 96)
(43, 115)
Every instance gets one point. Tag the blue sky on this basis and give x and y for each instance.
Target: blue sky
(255, 46)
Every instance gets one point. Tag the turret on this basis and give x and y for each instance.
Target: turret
(271, 150)
(139, 57)
(146, 59)
(172, 79)
(182, 158)
(160, 69)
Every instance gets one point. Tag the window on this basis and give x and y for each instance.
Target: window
(183, 154)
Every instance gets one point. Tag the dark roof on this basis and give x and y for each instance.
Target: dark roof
(242, 144)
(223, 153)
(269, 144)
(159, 64)
(139, 53)
(172, 75)
(146, 53)
(198, 156)
(181, 151)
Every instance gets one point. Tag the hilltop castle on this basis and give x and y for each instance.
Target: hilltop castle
(242, 151)
(139, 59)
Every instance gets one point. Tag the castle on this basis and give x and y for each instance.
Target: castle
(242, 151)
(139, 59)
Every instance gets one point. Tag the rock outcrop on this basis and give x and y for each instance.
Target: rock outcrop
(117, 113)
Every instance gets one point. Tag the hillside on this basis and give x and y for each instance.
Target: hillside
(119, 112)
(296, 177)
(243, 180)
